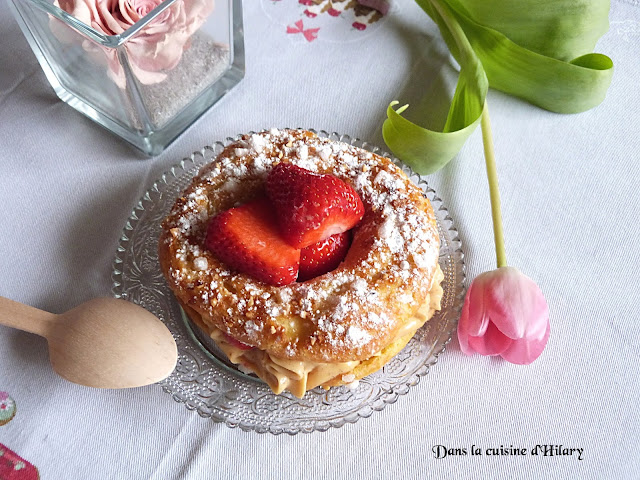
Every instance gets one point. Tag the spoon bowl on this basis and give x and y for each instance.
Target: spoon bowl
(102, 343)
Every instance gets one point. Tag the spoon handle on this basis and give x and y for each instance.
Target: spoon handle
(23, 317)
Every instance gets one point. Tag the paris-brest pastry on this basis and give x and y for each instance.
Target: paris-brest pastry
(329, 330)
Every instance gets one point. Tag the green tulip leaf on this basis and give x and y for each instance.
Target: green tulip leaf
(522, 48)
(427, 151)
(562, 29)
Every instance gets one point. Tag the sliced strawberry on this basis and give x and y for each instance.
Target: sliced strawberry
(236, 343)
(310, 206)
(246, 238)
(324, 256)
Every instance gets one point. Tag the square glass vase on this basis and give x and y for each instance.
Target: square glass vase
(159, 66)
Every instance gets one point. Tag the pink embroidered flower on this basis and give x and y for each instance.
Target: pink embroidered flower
(157, 48)
(7, 411)
(504, 314)
(310, 34)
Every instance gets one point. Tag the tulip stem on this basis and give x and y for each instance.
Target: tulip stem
(494, 192)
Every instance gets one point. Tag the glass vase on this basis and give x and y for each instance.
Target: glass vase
(143, 69)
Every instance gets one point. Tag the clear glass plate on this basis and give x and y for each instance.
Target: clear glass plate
(207, 383)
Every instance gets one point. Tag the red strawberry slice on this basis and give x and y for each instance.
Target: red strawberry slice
(324, 256)
(236, 343)
(310, 206)
(246, 238)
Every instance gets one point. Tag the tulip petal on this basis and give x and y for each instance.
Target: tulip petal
(493, 342)
(505, 314)
(476, 299)
(469, 324)
(515, 304)
(524, 351)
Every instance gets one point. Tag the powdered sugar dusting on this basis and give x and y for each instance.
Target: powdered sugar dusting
(344, 308)
(258, 143)
(200, 263)
(357, 336)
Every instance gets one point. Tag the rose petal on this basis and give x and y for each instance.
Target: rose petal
(524, 351)
(104, 17)
(147, 77)
(154, 49)
(128, 12)
(493, 342)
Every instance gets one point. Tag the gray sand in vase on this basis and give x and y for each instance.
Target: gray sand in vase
(201, 64)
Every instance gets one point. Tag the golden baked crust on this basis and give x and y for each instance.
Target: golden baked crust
(299, 376)
(375, 363)
(350, 314)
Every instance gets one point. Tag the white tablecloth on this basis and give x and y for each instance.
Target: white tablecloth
(569, 187)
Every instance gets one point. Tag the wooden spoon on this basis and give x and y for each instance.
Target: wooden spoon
(103, 343)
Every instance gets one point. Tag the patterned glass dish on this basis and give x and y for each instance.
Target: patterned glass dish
(206, 382)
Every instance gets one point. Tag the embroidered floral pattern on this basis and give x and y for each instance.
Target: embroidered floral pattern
(363, 15)
(7, 408)
(327, 20)
(13, 467)
(310, 33)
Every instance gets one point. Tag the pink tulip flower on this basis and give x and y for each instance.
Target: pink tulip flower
(504, 311)
(504, 314)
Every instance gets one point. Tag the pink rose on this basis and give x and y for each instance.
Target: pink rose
(504, 314)
(156, 48)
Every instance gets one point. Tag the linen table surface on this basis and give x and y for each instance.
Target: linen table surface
(570, 199)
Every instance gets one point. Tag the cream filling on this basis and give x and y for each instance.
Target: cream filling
(298, 376)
